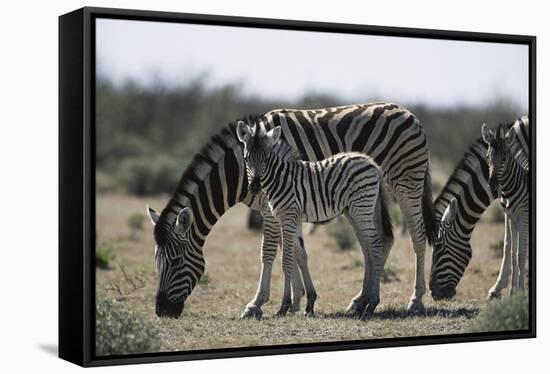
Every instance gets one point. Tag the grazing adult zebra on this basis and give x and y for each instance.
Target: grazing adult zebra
(317, 191)
(507, 176)
(459, 207)
(216, 180)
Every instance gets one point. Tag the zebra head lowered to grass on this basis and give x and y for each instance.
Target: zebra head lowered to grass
(458, 208)
(317, 191)
(179, 266)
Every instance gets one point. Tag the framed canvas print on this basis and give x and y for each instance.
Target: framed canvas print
(234, 186)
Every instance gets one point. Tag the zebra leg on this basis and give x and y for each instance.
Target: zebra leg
(523, 246)
(504, 273)
(301, 259)
(359, 302)
(296, 282)
(288, 228)
(515, 250)
(270, 241)
(376, 255)
(412, 210)
(297, 288)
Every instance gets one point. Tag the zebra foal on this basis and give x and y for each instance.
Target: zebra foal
(297, 191)
(510, 180)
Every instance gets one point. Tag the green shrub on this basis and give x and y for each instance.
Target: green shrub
(395, 214)
(510, 313)
(389, 274)
(104, 255)
(496, 213)
(205, 279)
(121, 331)
(135, 224)
(149, 175)
(342, 233)
(496, 248)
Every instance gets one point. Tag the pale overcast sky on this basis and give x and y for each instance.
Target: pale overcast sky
(288, 64)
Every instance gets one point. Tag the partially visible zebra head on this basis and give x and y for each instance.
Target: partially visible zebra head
(257, 143)
(179, 267)
(448, 262)
(499, 152)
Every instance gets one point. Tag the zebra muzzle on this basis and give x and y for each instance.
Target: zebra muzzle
(254, 187)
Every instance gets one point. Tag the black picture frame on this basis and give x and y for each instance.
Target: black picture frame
(77, 183)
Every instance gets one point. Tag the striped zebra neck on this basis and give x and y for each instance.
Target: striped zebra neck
(284, 153)
(469, 184)
(211, 184)
(513, 179)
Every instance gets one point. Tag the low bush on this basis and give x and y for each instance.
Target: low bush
(389, 274)
(496, 248)
(121, 331)
(104, 255)
(149, 175)
(342, 233)
(507, 314)
(135, 224)
(496, 213)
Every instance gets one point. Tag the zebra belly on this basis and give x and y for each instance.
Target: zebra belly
(319, 215)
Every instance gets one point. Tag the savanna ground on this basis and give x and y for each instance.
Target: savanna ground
(211, 315)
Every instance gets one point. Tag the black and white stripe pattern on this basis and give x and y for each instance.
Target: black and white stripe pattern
(511, 180)
(468, 187)
(216, 179)
(298, 191)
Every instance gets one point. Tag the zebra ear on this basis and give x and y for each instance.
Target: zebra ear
(510, 137)
(450, 212)
(273, 136)
(153, 215)
(184, 220)
(244, 132)
(487, 134)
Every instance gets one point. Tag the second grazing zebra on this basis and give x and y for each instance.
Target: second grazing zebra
(458, 208)
(511, 180)
(297, 191)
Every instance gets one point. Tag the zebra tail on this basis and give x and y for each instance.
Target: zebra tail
(428, 210)
(387, 226)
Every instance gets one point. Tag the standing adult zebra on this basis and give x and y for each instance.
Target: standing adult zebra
(297, 191)
(216, 180)
(459, 207)
(507, 176)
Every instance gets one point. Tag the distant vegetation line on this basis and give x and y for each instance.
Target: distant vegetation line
(147, 134)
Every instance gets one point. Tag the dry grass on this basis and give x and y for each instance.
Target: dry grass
(211, 315)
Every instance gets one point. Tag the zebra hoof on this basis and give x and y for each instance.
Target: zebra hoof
(354, 310)
(294, 308)
(309, 314)
(415, 307)
(252, 312)
(493, 295)
(367, 314)
(282, 311)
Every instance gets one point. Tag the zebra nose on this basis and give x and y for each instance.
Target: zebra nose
(254, 187)
(166, 308)
(443, 293)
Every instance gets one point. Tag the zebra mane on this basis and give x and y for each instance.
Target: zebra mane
(285, 152)
(465, 163)
(210, 155)
(282, 149)
(500, 135)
